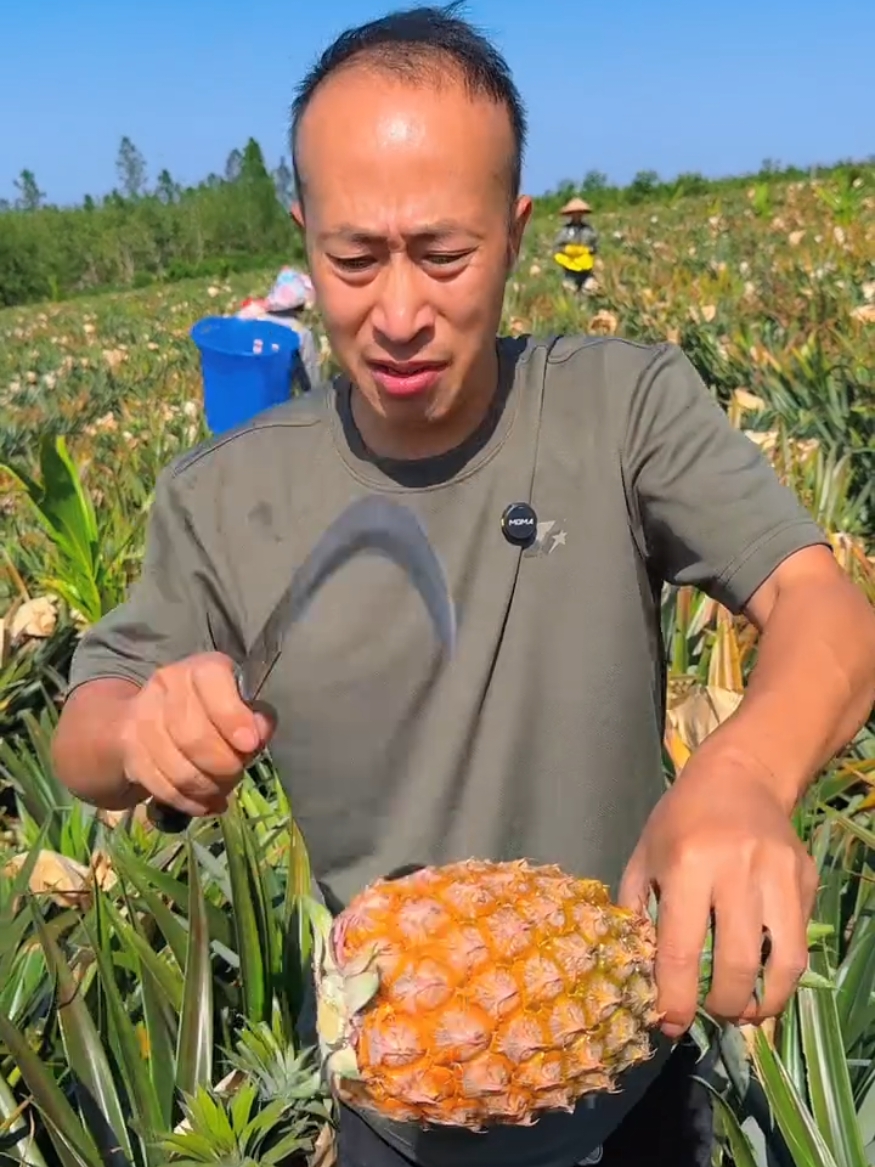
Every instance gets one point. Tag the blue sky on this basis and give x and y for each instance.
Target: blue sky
(620, 86)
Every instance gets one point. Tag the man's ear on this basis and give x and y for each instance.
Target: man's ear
(296, 212)
(521, 214)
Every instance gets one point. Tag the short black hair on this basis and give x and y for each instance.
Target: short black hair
(416, 44)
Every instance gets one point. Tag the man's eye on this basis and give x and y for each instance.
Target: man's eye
(446, 258)
(353, 262)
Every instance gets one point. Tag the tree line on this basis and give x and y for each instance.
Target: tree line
(140, 233)
(648, 187)
(239, 220)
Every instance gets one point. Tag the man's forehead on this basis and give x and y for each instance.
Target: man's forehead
(380, 157)
(376, 109)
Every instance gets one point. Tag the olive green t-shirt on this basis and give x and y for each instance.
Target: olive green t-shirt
(541, 737)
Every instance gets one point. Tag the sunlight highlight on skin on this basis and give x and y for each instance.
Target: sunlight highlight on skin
(400, 130)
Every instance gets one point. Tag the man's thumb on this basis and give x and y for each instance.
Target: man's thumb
(265, 728)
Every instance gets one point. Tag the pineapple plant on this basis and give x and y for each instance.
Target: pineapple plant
(479, 993)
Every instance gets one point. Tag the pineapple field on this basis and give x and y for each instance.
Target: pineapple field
(151, 986)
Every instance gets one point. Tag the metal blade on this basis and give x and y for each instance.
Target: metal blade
(371, 525)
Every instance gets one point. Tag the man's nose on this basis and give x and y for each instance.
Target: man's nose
(402, 309)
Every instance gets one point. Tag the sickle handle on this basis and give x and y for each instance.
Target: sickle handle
(167, 818)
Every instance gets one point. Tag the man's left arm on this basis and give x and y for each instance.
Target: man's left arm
(813, 685)
(709, 511)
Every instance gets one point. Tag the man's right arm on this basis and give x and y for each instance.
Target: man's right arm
(87, 747)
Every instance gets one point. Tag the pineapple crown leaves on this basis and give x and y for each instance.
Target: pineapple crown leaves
(340, 996)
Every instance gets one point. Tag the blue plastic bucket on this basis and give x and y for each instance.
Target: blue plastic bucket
(246, 367)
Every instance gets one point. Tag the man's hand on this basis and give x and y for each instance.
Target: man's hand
(187, 736)
(721, 840)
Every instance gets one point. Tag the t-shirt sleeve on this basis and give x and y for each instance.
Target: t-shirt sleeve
(708, 508)
(170, 609)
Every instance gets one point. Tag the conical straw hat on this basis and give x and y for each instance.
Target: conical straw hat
(575, 206)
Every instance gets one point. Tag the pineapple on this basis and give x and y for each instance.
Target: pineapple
(480, 993)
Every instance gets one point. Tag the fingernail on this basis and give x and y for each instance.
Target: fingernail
(245, 740)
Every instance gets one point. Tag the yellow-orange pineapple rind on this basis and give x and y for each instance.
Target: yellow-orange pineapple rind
(505, 990)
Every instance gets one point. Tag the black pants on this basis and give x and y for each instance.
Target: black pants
(580, 279)
(672, 1126)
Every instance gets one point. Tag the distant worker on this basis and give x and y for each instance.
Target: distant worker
(285, 303)
(576, 245)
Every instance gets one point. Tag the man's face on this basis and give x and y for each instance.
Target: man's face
(410, 236)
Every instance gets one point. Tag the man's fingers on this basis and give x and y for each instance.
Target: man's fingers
(785, 916)
(738, 943)
(180, 771)
(215, 685)
(634, 889)
(197, 739)
(142, 769)
(682, 925)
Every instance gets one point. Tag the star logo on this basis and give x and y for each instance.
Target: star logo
(547, 538)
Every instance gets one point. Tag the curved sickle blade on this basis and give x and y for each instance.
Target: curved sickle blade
(371, 525)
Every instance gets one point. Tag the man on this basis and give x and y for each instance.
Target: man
(542, 736)
(576, 244)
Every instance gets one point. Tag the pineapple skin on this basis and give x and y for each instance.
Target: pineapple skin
(498, 991)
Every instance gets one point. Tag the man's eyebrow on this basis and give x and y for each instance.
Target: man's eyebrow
(438, 229)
